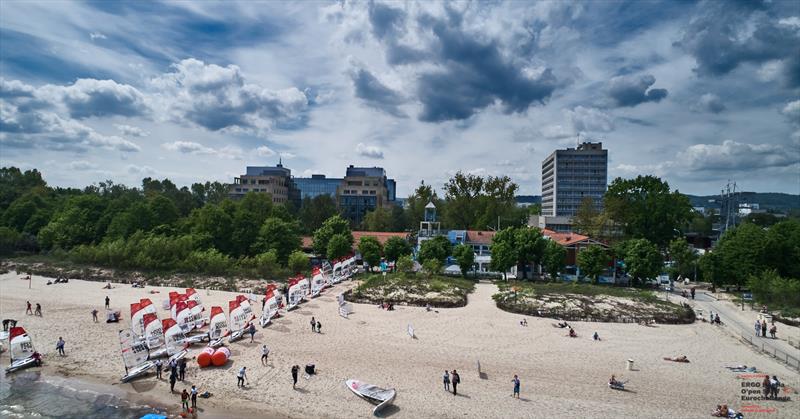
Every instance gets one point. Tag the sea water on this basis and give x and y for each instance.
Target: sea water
(31, 394)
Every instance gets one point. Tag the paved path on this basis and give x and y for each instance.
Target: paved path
(735, 321)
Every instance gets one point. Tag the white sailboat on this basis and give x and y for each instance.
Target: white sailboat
(317, 282)
(174, 339)
(376, 395)
(20, 347)
(298, 288)
(272, 303)
(218, 327)
(196, 307)
(134, 356)
(241, 314)
(338, 271)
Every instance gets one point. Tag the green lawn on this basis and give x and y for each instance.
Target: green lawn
(398, 288)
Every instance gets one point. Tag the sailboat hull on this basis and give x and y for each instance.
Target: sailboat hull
(138, 371)
(21, 364)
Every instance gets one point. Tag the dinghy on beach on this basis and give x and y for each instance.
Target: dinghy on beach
(298, 288)
(317, 282)
(241, 314)
(376, 395)
(134, 356)
(218, 327)
(20, 347)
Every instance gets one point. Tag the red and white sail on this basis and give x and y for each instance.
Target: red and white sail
(183, 316)
(173, 335)
(147, 306)
(244, 302)
(20, 345)
(298, 288)
(317, 282)
(137, 319)
(238, 318)
(218, 325)
(153, 332)
(272, 302)
(196, 311)
(338, 273)
(192, 295)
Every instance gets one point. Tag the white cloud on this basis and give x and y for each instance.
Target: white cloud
(590, 120)
(131, 130)
(190, 147)
(709, 102)
(82, 165)
(369, 151)
(792, 111)
(141, 170)
(97, 35)
(264, 151)
(735, 156)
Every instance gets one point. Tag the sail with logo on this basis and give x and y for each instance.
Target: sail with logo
(317, 282)
(135, 356)
(272, 303)
(218, 327)
(20, 347)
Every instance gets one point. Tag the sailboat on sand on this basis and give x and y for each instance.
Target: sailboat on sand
(134, 356)
(272, 303)
(20, 347)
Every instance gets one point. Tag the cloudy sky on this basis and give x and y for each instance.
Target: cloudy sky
(695, 92)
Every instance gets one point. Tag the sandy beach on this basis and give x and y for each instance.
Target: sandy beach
(561, 376)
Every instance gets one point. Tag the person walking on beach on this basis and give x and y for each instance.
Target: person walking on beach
(456, 380)
(774, 386)
(319, 327)
(194, 397)
(446, 381)
(313, 324)
(108, 302)
(182, 369)
(711, 317)
(764, 329)
(692, 293)
(159, 366)
(773, 330)
(252, 331)
(295, 369)
(29, 310)
(765, 386)
(38, 311)
(173, 368)
(173, 377)
(185, 400)
(94, 315)
(241, 376)
(264, 355)
(758, 327)
(60, 346)
(516, 386)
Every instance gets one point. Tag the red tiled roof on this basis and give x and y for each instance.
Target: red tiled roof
(382, 236)
(308, 242)
(480, 237)
(564, 239)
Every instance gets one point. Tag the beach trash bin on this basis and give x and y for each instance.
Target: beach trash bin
(630, 365)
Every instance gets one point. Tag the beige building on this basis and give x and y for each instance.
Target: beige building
(364, 189)
(275, 181)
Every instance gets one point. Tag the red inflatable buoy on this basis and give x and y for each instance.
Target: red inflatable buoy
(204, 358)
(221, 356)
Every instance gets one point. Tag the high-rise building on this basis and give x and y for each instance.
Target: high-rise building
(364, 189)
(276, 181)
(568, 177)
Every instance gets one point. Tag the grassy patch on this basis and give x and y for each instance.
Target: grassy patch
(580, 301)
(417, 290)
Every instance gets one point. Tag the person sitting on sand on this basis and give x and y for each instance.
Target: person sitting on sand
(681, 358)
(563, 325)
(427, 306)
(572, 333)
(596, 336)
(717, 412)
(613, 382)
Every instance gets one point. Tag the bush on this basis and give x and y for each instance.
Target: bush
(405, 264)
(209, 261)
(298, 262)
(770, 288)
(432, 267)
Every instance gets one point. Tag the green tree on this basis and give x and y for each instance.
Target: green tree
(683, 258)
(331, 227)
(398, 217)
(248, 216)
(378, 219)
(314, 212)
(554, 257)
(436, 248)
(432, 267)
(465, 257)
(213, 223)
(370, 249)
(586, 218)
(163, 210)
(30, 212)
(9, 239)
(298, 262)
(643, 260)
(14, 183)
(782, 245)
(396, 247)
(405, 264)
(530, 245)
(423, 195)
(709, 269)
(742, 253)
(592, 261)
(280, 236)
(339, 246)
(474, 202)
(74, 224)
(645, 208)
(503, 257)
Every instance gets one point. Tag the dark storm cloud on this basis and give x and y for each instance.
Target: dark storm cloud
(375, 94)
(627, 91)
(475, 75)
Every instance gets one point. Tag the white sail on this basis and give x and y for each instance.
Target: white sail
(272, 302)
(137, 319)
(147, 306)
(184, 316)
(20, 346)
(196, 317)
(317, 282)
(134, 352)
(298, 287)
(153, 333)
(247, 309)
(173, 336)
(238, 318)
(218, 323)
(338, 266)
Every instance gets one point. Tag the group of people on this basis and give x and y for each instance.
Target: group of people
(452, 378)
(770, 387)
(177, 372)
(390, 306)
(761, 329)
(185, 396)
(714, 318)
(29, 309)
(723, 411)
(316, 326)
